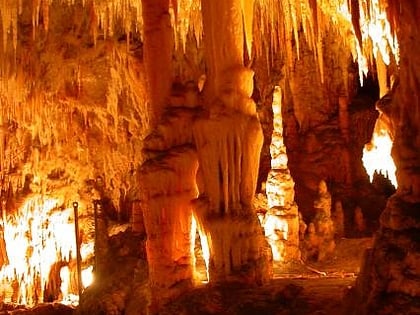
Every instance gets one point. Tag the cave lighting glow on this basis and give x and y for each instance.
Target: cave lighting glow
(275, 230)
(205, 249)
(37, 236)
(377, 156)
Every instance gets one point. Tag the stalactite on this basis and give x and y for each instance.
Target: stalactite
(187, 18)
(355, 19)
(282, 20)
(248, 14)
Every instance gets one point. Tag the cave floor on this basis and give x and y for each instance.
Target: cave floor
(280, 297)
(314, 288)
(296, 289)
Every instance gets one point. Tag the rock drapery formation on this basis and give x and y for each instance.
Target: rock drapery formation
(70, 115)
(229, 138)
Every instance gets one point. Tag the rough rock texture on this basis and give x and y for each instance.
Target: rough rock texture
(41, 309)
(74, 114)
(281, 221)
(338, 218)
(124, 288)
(168, 176)
(82, 117)
(334, 156)
(168, 190)
(319, 242)
(325, 128)
(389, 283)
(73, 118)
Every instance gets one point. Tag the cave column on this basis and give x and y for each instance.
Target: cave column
(168, 176)
(228, 137)
(168, 184)
(157, 54)
(223, 39)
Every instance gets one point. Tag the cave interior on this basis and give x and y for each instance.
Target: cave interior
(209, 157)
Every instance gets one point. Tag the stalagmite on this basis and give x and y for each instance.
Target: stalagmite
(359, 221)
(338, 219)
(377, 154)
(283, 211)
(321, 242)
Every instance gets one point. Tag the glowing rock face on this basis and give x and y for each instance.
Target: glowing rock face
(377, 155)
(36, 237)
(281, 222)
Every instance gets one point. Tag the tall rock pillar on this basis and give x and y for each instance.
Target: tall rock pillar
(281, 222)
(168, 176)
(158, 47)
(228, 137)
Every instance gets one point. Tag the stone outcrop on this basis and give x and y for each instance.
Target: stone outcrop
(389, 280)
(124, 288)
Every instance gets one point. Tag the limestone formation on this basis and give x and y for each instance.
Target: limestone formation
(281, 222)
(228, 140)
(390, 285)
(320, 242)
(154, 107)
(359, 221)
(338, 219)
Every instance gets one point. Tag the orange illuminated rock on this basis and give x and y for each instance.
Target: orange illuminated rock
(281, 222)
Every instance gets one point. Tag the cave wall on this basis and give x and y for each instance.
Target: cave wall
(74, 115)
(328, 118)
(388, 283)
(74, 112)
(202, 160)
